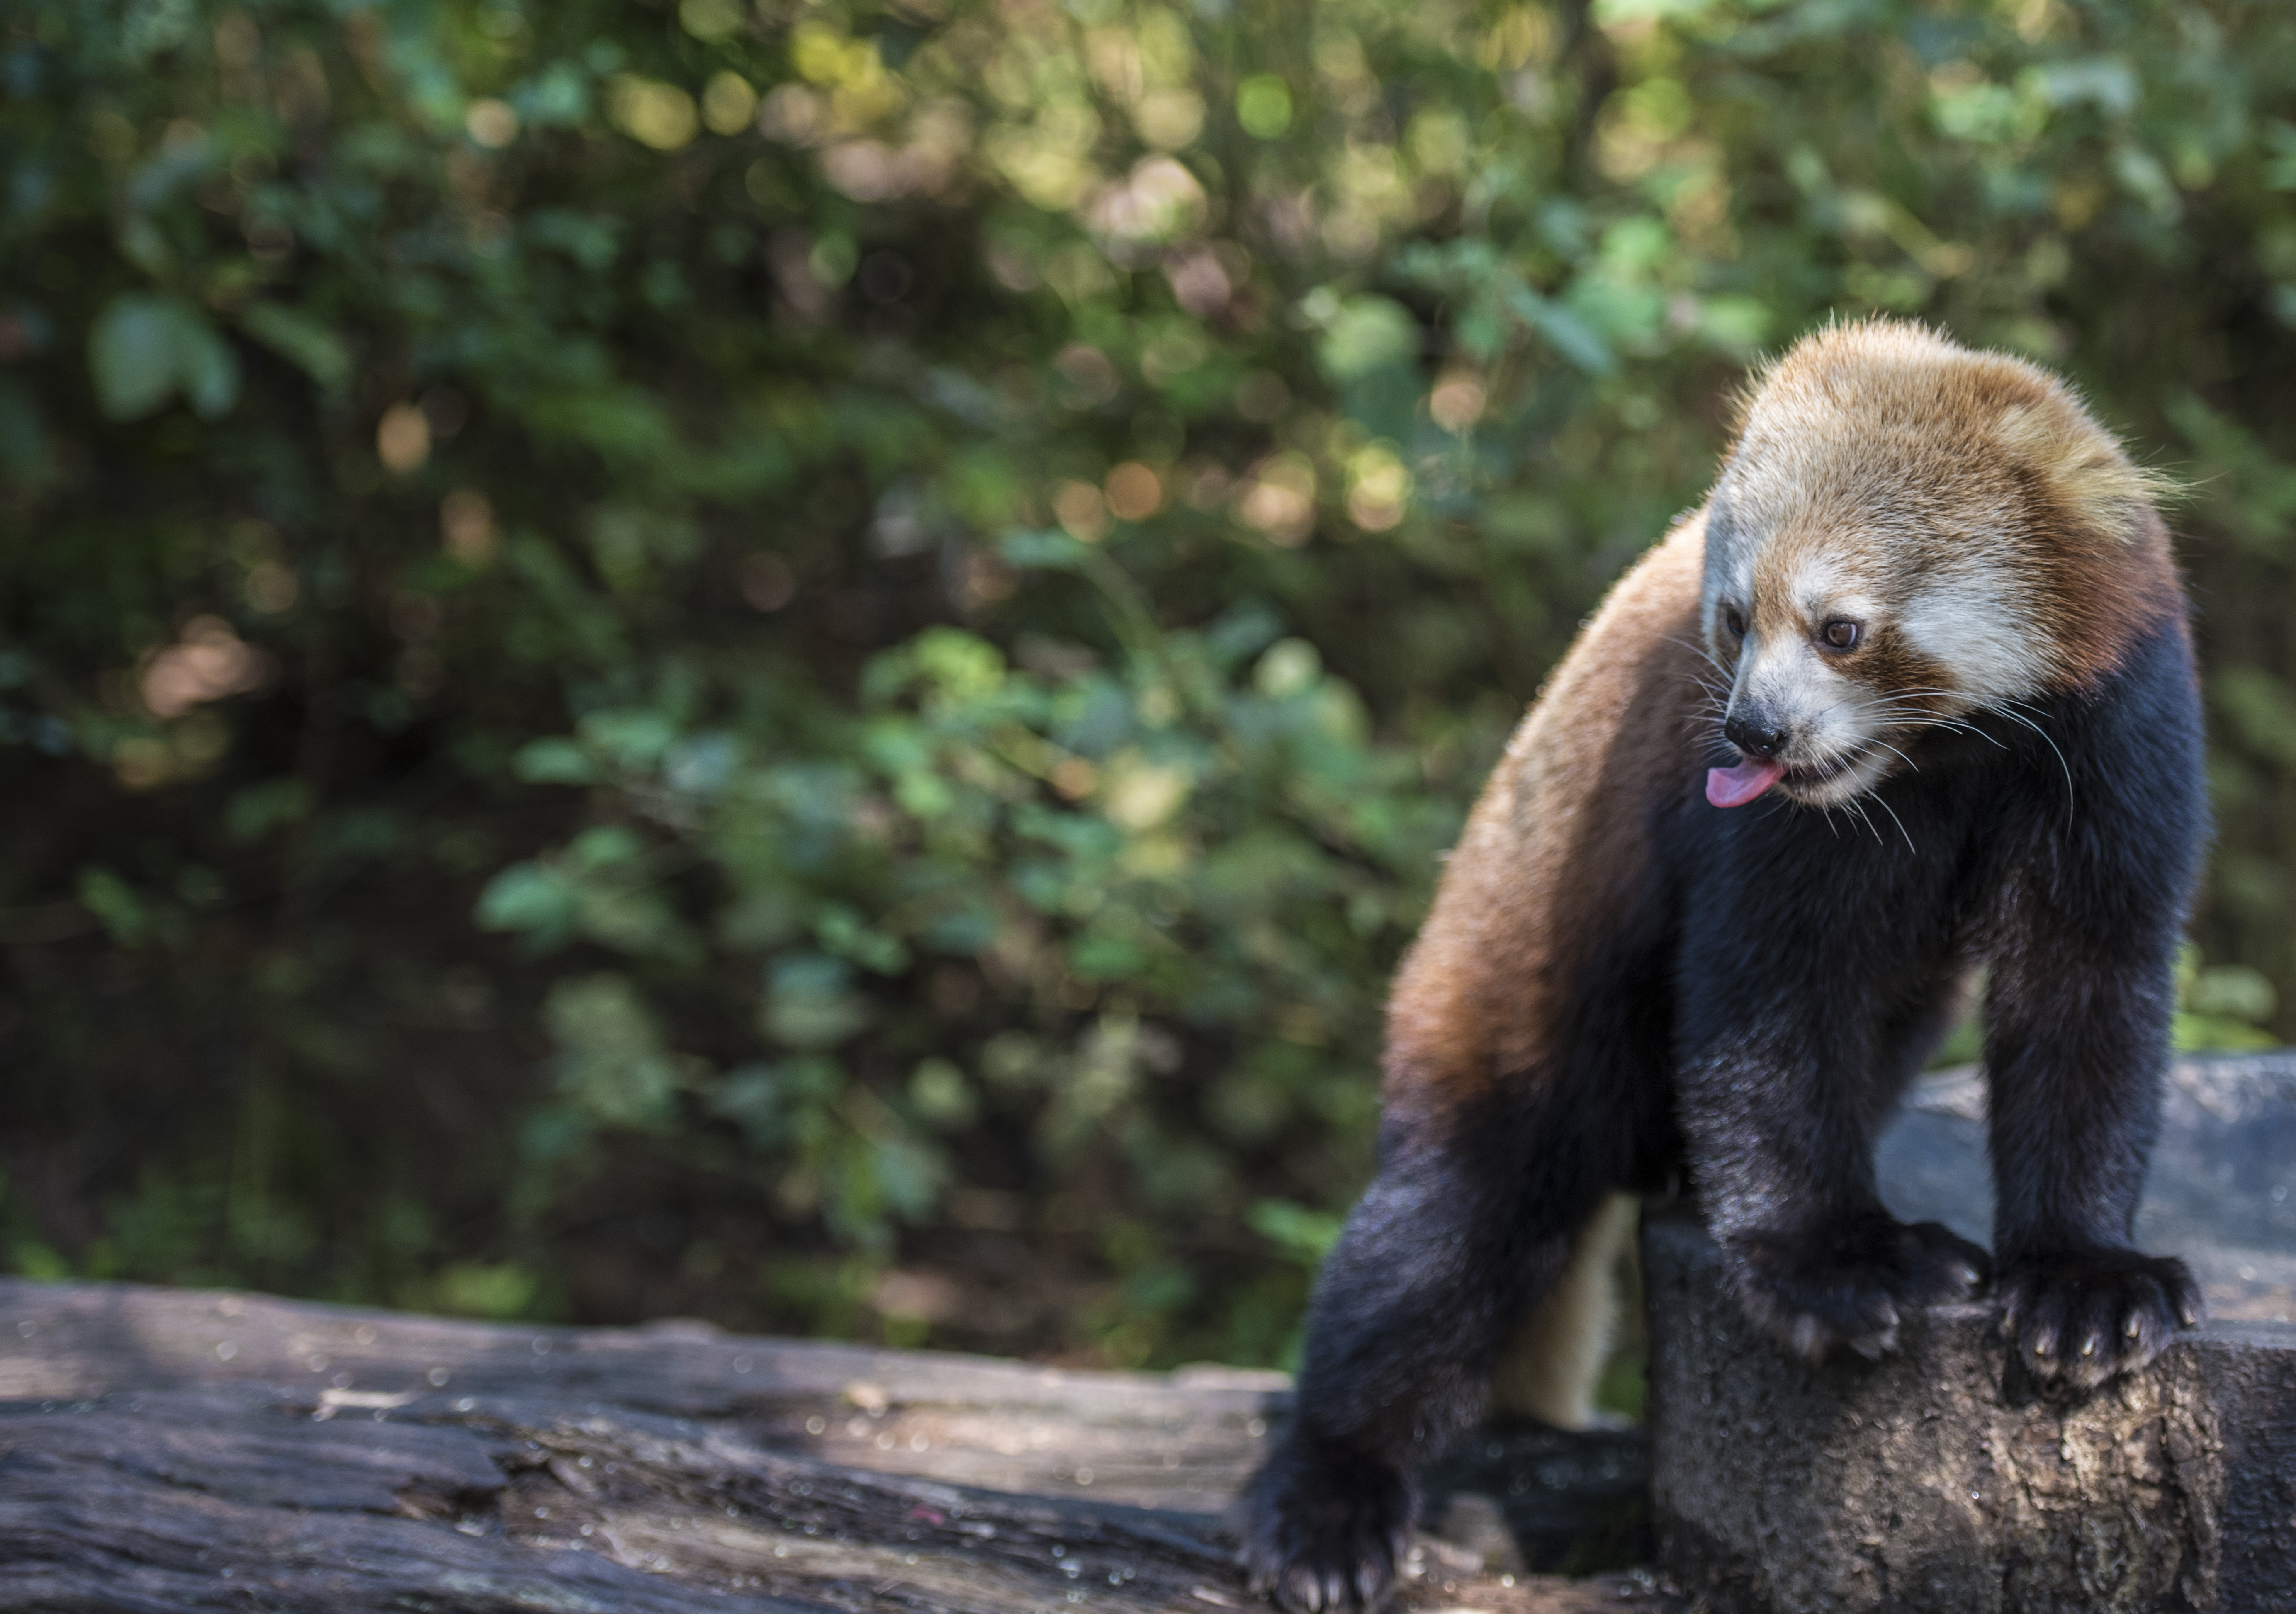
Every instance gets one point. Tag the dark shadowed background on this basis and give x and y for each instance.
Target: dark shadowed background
(805, 663)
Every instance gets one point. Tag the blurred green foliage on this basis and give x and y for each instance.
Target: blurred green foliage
(808, 660)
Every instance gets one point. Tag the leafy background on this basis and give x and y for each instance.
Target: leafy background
(805, 663)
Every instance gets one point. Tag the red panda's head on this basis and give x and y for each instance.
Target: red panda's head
(1907, 532)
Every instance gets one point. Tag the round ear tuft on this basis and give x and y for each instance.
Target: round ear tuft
(2084, 470)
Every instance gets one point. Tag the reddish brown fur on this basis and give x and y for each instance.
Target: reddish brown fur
(1548, 863)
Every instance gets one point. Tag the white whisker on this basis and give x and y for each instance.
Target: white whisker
(1900, 822)
(1894, 751)
(2014, 717)
(1857, 805)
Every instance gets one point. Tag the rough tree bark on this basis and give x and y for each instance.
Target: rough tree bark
(168, 1451)
(1934, 1483)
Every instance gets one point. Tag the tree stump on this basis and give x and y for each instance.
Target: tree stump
(165, 1451)
(1933, 1482)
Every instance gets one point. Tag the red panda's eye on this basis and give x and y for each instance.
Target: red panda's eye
(1735, 622)
(1841, 634)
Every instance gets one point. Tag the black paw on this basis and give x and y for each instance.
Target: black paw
(2079, 1317)
(1851, 1284)
(1324, 1528)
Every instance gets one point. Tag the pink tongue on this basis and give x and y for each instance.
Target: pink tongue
(1729, 786)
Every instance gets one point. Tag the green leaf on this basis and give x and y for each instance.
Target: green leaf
(1619, 13)
(2262, 708)
(555, 760)
(1042, 550)
(1572, 338)
(301, 341)
(1303, 1235)
(113, 901)
(808, 1004)
(144, 349)
(131, 355)
(529, 897)
(497, 1290)
(940, 1095)
(258, 810)
(1263, 106)
(1368, 334)
(612, 1062)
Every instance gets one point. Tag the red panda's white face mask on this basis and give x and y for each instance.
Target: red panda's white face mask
(1901, 538)
(1820, 679)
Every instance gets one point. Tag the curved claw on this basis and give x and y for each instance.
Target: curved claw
(1851, 1285)
(2082, 1317)
(1325, 1531)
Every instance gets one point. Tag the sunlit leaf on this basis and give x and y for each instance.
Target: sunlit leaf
(1366, 334)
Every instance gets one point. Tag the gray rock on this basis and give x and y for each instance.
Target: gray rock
(2221, 1192)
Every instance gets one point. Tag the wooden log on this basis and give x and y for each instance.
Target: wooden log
(1934, 1482)
(170, 1450)
(183, 1450)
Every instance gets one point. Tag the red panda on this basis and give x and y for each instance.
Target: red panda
(1912, 692)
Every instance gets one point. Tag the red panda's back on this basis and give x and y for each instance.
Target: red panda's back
(1554, 864)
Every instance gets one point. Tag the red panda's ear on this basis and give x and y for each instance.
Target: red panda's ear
(2082, 467)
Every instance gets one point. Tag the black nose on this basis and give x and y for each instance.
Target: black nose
(1754, 737)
